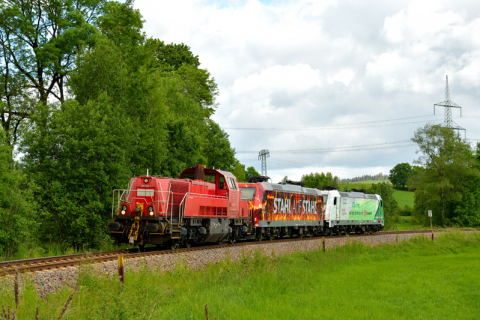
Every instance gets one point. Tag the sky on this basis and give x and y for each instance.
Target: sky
(329, 86)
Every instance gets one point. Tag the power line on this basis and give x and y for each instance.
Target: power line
(392, 144)
(341, 125)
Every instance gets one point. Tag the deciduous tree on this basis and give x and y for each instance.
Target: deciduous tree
(38, 43)
(450, 167)
(399, 175)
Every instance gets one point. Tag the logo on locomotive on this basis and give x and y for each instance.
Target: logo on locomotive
(285, 206)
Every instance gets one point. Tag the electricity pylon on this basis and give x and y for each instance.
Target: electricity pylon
(262, 155)
(448, 105)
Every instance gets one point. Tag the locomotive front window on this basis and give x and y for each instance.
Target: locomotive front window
(248, 193)
(231, 183)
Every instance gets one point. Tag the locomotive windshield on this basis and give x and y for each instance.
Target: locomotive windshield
(248, 193)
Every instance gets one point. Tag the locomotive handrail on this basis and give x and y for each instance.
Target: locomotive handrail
(181, 211)
(121, 199)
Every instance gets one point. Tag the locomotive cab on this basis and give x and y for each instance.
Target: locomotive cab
(202, 205)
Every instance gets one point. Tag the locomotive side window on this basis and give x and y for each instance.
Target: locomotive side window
(335, 201)
(381, 203)
(210, 177)
(248, 193)
(221, 183)
(188, 175)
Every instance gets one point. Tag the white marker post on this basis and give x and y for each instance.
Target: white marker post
(430, 215)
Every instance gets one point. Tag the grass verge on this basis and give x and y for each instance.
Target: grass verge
(416, 279)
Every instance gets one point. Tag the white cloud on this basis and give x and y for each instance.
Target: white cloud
(310, 63)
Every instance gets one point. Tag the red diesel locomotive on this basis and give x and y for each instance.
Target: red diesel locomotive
(208, 205)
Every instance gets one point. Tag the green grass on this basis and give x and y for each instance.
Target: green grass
(57, 249)
(409, 280)
(404, 198)
(405, 223)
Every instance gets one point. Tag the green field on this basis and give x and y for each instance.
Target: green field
(404, 198)
(409, 280)
(359, 185)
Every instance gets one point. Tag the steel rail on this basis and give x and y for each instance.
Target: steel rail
(74, 260)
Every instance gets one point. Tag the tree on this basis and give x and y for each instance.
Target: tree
(319, 180)
(399, 175)
(78, 154)
(38, 43)
(172, 56)
(239, 171)
(251, 172)
(390, 205)
(450, 170)
(18, 210)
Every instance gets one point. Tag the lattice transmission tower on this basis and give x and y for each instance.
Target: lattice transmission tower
(448, 105)
(263, 155)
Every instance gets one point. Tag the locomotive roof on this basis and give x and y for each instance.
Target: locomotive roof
(345, 194)
(206, 170)
(289, 188)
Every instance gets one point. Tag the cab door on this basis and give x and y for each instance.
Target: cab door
(336, 203)
(222, 188)
(233, 197)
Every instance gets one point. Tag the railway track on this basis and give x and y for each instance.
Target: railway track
(74, 260)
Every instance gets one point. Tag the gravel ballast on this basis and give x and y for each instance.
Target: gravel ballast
(48, 282)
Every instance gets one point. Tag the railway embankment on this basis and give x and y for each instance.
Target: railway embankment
(49, 281)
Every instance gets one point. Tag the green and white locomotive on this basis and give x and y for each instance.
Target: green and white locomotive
(355, 211)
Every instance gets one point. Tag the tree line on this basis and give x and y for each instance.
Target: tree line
(87, 101)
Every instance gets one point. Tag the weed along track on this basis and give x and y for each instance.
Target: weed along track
(60, 268)
(73, 260)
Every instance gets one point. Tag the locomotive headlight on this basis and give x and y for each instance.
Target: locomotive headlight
(145, 180)
(124, 208)
(150, 209)
(123, 211)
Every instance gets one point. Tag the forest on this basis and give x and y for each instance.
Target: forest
(88, 101)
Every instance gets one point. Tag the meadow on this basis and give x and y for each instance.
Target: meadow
(416, 279)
